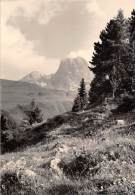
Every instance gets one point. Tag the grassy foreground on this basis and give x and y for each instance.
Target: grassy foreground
(86, 154)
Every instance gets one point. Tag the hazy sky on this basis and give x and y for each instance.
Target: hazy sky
(37, 34)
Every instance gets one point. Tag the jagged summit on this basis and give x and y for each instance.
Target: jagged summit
(70, 73)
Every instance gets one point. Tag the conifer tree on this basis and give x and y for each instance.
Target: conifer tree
(38, 115)
(80, 101)
(110, 60)
(33, 104)
(132, 27)
(77, 104)
(34, 113)
(82, 93)
(132, 46)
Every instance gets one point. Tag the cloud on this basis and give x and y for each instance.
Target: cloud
(41, 10)
(93, 7)
(67, 31)
(37, 34)
(18, 56)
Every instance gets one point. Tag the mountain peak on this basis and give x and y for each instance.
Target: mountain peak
(70, 73)
(67, 77)
(32, 75)
(36, 78)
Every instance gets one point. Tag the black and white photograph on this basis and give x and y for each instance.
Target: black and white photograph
(67, 97)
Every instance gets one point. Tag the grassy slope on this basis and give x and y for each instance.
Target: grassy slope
(79, 154)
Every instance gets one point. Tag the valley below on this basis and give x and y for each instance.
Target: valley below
(54, 93)
(51, 101)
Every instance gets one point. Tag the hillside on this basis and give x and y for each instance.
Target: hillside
(75, 154)
(52, 101)
(91, 149)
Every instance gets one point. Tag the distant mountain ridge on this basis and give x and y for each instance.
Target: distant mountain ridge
(51, 101)
(67, 77)
(36, 77)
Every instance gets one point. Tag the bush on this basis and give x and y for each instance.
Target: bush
(127, 105)
(8, 126)
(7, 122)
(12, 184)
(34, 113)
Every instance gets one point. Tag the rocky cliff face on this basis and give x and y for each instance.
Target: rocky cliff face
(70, 73)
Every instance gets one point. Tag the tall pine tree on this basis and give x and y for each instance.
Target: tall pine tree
(132, 27)
(80, 101)
(82, 93)
(77, 104)
(109, 61)
(132, 47)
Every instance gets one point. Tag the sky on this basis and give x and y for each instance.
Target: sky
(37, 35)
